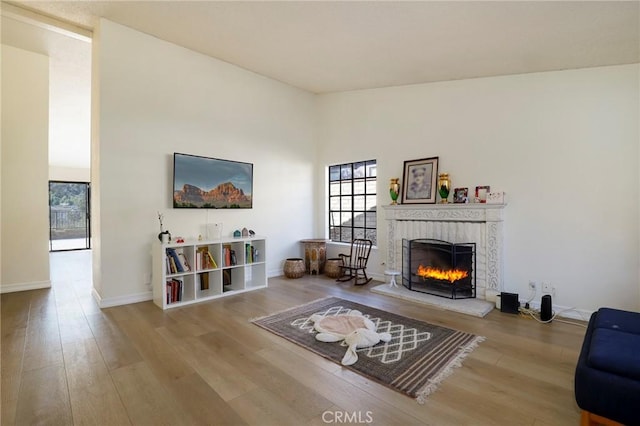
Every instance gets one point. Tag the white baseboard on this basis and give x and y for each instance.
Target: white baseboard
(36, 285)
(562, 311)
(121, 300)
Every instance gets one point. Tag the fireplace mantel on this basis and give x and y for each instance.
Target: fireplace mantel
(489, 216)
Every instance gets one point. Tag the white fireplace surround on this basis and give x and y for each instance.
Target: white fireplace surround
(456, 223)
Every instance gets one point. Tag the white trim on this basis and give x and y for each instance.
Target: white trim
(562, 311)
(36, 285)
(121, 300)
(45, 22)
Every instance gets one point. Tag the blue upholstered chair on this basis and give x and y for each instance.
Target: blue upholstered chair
(607, 379)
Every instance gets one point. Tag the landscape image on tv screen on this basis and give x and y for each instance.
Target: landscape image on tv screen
(211, 183)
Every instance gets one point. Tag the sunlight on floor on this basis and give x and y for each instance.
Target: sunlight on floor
(72, 278)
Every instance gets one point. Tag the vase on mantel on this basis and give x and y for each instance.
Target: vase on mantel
(444, 187)
(394, 190)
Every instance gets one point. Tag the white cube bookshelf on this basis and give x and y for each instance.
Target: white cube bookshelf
(238, 266)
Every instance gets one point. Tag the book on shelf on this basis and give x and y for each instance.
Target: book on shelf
(184, 262)
(212, 262)
(226, 277)
(176, 260)
(204, 259)
(199, 257)
(174, 290)
(234, 260)
(227, 255)
(204, 281)
(173, 269)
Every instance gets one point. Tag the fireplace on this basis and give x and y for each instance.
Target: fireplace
(479, 223)
(439, 268)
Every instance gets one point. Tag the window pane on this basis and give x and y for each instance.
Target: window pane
(371, 169)
(358, 187)
(358, 233)
(371, 202)
(358, 203)
(371, 235)
(346, 203)
(371, 220)
(345, 218)
(334, 233)
(334, 173)
(358, 170)
(345, 188)
(346, 235)
(345, 171)
(334, 189)
(334, 203)
(358, 220)
(371, 186)
(334, 219)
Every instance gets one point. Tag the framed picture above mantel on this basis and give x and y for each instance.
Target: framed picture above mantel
(419, 179)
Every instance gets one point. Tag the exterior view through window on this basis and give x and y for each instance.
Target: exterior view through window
(352, 201)
(69, 224)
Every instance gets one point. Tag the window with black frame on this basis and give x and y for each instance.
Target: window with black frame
(352, 201)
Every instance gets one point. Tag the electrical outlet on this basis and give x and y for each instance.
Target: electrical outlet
(547, 288)
(532, 285)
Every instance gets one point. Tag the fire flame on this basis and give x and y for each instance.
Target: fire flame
(450, 275)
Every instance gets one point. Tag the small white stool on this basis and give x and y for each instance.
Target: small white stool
(392, 274)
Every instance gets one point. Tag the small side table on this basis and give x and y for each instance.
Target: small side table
(393, 275)
(315, 253)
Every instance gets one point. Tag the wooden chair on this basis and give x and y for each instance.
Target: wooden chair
(354, 264)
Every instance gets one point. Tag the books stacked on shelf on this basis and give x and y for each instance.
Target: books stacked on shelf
(229, 255)
(251, 253)
(174, 289)
(204, 259)
(176, 262)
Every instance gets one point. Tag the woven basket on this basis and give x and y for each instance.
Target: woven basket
(332, 267)
(294, 267)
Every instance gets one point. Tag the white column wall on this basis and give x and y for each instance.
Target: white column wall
(24, 235)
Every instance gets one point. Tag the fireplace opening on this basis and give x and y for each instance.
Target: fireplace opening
(439, 268)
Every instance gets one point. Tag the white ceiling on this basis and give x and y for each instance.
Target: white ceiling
(327, 46)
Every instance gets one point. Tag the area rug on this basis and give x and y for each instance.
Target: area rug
(474, 307)
(415, 361)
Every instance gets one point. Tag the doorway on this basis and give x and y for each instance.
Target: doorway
(69, 216)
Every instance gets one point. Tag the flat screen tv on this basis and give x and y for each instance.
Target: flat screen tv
(211, 183)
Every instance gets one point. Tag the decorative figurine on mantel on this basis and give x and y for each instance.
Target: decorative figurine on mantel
(163, 236)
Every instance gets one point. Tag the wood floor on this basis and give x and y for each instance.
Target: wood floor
(66, 362)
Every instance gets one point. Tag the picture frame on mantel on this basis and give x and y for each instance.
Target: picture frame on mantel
(460, 195)
(481, 193)
(419, 178)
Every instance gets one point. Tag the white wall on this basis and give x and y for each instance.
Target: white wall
(153, 98)
(69, 174)
(563, 145)
(24, 192)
